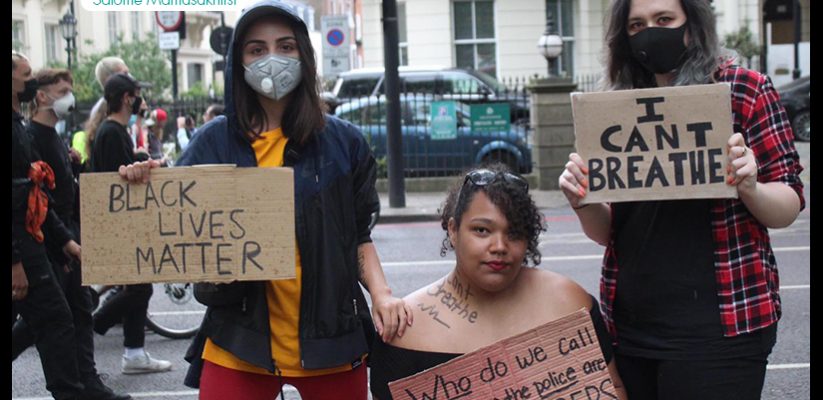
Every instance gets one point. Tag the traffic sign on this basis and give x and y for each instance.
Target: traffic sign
(336, 51)
(220, 39)
(335, 37)
(169, 20)
(169, 40)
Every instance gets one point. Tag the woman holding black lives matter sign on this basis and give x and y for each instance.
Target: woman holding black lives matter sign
(690, 287)
(312, 332)
(492, 225)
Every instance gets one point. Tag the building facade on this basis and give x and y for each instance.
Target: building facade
(500, 36)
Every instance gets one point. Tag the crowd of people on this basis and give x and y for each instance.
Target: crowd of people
(689, 287)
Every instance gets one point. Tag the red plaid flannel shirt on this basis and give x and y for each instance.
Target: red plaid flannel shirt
(745, 266)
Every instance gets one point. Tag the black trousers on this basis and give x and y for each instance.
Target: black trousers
(81, 305)
(129, 306)
(49, 319)
(730, 379)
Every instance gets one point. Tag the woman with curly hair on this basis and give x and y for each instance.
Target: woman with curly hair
(493, 225)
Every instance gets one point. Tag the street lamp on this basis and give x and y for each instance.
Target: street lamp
(550, 43)
(68, 27)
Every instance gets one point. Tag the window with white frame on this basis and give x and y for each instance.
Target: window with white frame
(562, 13)
(18, 42)
(195, 75)
(136, 26)
(113, 34)
(52, 42)
(474, 41)
(402, 34)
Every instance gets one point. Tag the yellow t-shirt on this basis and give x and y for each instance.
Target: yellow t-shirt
(283, 297)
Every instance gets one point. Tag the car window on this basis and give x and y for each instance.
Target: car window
(459, 83)
(418, 83)
(357, 87)
(419, 112)
(364, 112)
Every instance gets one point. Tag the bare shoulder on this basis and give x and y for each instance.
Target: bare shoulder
(564, 294)
(430, 326)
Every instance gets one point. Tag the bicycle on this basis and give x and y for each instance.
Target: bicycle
(175, 316)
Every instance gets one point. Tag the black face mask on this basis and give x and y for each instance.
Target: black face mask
(135, 107)
(29, 92)
(659, 50)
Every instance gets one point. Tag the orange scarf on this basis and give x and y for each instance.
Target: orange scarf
(38, 206)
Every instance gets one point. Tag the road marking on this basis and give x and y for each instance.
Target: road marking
(795, 287)
(798, 248)
(789, 366)
(555, 258)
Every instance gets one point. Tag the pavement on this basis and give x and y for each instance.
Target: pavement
(423, 206)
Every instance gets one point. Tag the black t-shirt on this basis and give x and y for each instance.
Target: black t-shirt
(55, 153)
(666, 306)
(113, 147)
(389, 363)
(21, 148)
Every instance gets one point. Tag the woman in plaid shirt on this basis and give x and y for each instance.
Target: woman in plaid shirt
(690, 287)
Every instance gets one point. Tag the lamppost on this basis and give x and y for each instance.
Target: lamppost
(550, 43)
(68, 27)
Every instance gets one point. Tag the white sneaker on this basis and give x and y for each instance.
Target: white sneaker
(143, 364)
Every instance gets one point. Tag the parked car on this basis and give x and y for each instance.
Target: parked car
(424, 156)
(796, 99)
(464, 85)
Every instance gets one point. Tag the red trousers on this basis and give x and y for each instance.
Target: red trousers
(220, 383)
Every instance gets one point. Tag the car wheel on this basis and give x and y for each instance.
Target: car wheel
(503, 157)
(802, 126)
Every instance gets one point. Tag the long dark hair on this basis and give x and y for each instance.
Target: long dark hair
(304, 116)
(703, 55)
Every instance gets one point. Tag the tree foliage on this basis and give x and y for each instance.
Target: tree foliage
(145, 60)
(744, 43)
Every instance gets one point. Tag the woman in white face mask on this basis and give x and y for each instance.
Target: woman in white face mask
(312, 332)
(690, 287)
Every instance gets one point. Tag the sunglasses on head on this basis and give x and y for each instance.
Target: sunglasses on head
(484, 177)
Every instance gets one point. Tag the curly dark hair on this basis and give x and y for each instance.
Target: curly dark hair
(525, 220)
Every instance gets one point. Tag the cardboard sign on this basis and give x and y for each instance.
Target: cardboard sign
(655, 144)
(558, 360)
(189, 224)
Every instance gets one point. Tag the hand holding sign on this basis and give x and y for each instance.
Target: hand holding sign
(742, 164)
(574, 180)
(139, 172)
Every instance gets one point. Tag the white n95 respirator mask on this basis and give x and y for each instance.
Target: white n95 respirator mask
(273, 76)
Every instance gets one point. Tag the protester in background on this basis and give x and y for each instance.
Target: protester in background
(185, 131)
(79, 143)
(54, 101)
(113, 147)
(314, 331)
(214, 110)
(139, 132)
(104, 69)
(35, 291)
(493, 226)
(155, 123)
(690, 287)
